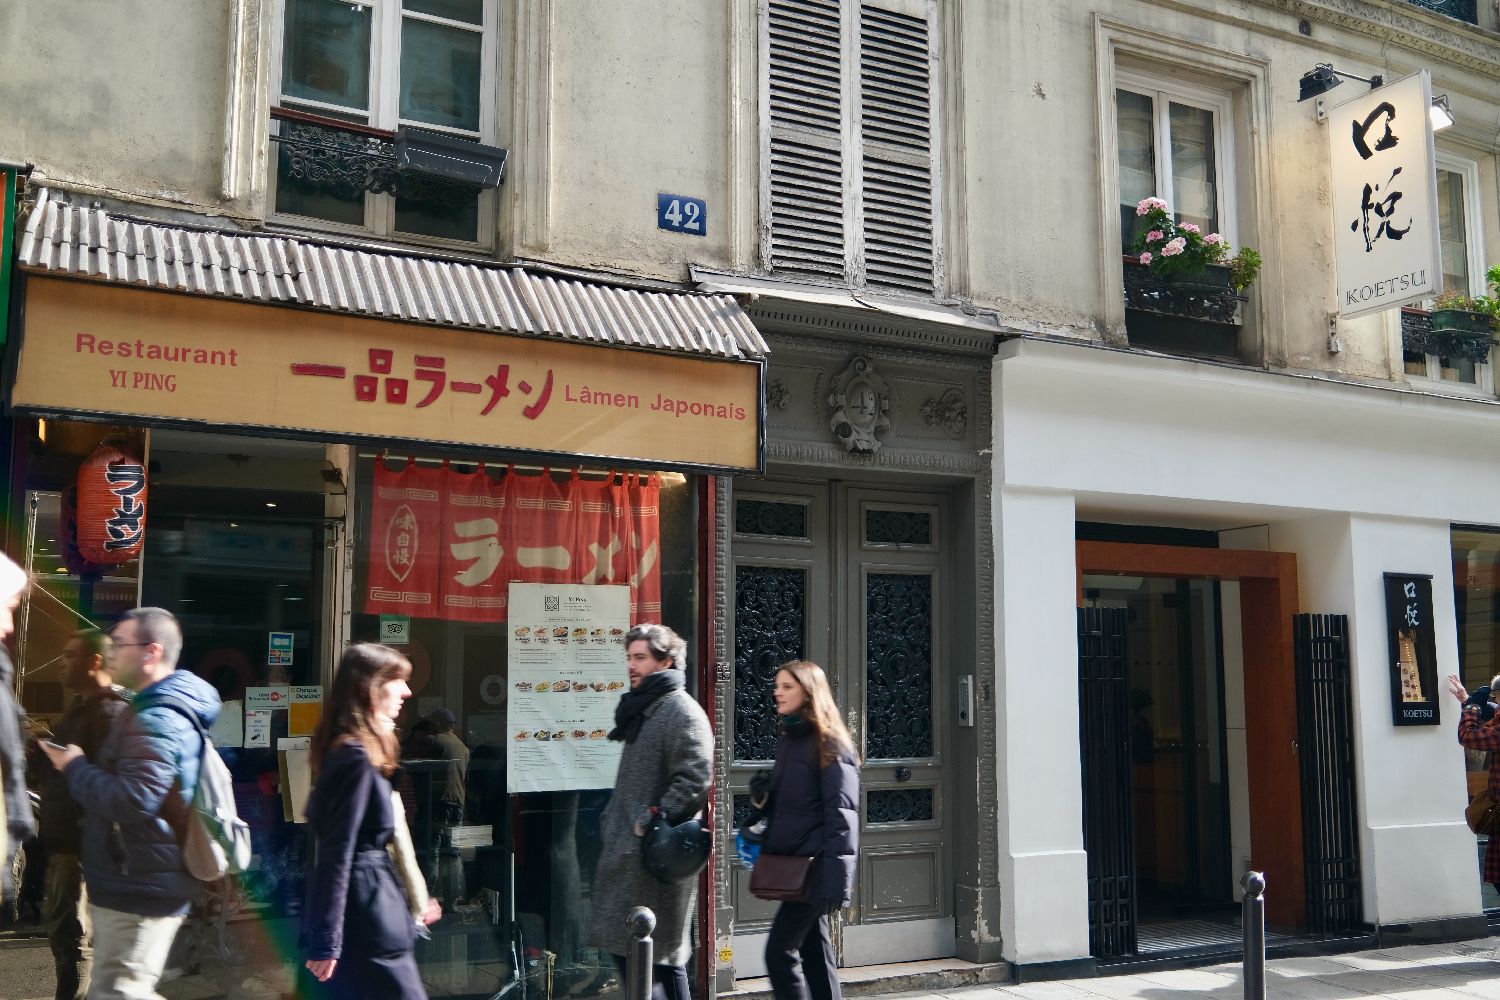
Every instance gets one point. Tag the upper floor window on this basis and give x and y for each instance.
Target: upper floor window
(384, 64)
(1463, 269)
(851, 142)
(1173, 144)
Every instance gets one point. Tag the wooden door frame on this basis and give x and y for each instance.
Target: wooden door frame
(1268, 602)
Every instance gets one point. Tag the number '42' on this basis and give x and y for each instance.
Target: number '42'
(679, 214)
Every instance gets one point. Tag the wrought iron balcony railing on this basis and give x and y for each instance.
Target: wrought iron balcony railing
(1460, 10)
(1207, 297)
(1418, 337)
(348, 159)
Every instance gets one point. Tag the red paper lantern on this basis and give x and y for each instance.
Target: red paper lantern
(73, 560)
(111, 505)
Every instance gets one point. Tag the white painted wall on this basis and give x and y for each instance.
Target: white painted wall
(1417, 853)
(1420, 857)
(1250, 445)
(1356, 480)
(1043, 868)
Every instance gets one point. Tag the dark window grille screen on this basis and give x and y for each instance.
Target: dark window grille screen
(898, 527)
(898, 665)
(899, 805)
(775, 518)
(770, 608)
(1108, 824)
(1325, 751)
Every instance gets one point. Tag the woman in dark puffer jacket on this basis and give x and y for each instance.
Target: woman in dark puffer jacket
(814, 802)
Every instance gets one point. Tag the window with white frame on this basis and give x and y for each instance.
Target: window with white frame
(429, 64)
(1463, 269)
(1173, 143)
(851, 141)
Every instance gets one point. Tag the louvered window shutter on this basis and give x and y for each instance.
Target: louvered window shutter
(896, 134)
(851, 155)
(807, 232)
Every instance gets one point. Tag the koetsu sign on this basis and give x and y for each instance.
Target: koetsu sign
(1385, 197)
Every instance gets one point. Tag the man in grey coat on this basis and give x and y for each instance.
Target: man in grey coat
(665, 769)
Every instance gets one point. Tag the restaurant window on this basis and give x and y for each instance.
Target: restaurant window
(510, 590)
(1173, 143)
(238, 533)
(1463, 270)
(386, 63)
(1476, 605)
(66, 593)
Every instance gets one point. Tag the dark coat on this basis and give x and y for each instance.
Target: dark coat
(356, 910)
(815, 813)
(12, 774)
(130, 855)
(670, 765)
(85, 725)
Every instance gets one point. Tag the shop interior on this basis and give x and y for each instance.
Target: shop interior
(1177, 744)
(262, 549)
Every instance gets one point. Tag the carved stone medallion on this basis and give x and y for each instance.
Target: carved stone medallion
(949, 411)
(777, 396)
(861, 405)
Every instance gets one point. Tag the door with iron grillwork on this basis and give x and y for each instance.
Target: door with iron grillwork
(1325, 754)
(853, 578)
(1108, 826)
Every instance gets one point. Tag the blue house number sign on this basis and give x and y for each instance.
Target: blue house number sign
(678, 214)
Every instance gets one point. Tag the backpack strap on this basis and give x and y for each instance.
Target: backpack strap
(181, 708)
(174, 810)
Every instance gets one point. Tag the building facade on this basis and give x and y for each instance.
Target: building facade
(1101, 567)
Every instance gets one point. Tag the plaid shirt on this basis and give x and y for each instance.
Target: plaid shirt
(1485, 736)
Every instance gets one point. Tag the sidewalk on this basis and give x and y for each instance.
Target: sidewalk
(1460, 971)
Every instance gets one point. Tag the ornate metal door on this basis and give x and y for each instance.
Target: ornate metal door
(1108, 829)
(852, 578)
(1325, 751)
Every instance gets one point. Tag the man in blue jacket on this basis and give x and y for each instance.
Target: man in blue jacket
(139, 889)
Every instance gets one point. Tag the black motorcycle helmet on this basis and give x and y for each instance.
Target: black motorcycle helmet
(674, 853)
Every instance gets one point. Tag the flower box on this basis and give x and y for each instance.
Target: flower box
(1420, 335)
(1207, 296)
(1462, 322)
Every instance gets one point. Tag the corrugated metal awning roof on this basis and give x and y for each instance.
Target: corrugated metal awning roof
(62, 238)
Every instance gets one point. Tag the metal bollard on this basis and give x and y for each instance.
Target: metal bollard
(639, 924)
(1254, 920)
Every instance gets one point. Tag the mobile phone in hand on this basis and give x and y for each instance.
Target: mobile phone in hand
(53, 745)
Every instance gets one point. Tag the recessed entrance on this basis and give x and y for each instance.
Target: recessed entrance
(1153, 721)
(1179, 774)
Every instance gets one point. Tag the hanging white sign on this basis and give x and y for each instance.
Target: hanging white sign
(1385, 224)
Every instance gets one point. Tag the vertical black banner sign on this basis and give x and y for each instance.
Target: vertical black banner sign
(1408, 622)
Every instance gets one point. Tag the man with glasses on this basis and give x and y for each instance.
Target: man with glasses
(133, 797)
(86, 724)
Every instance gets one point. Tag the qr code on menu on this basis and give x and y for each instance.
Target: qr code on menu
(552, 603)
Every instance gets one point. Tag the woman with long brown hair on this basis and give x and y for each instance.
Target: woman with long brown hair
(357, 930)
(813, 805)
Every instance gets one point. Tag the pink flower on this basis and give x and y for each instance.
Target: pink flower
(1145, 258)
(1147, 204)
(1190, 228)
(1175, 247)
(1213, 239)
(1154, 235)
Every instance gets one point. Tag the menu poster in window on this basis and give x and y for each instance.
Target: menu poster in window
(567, 673)
(1414, 679)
